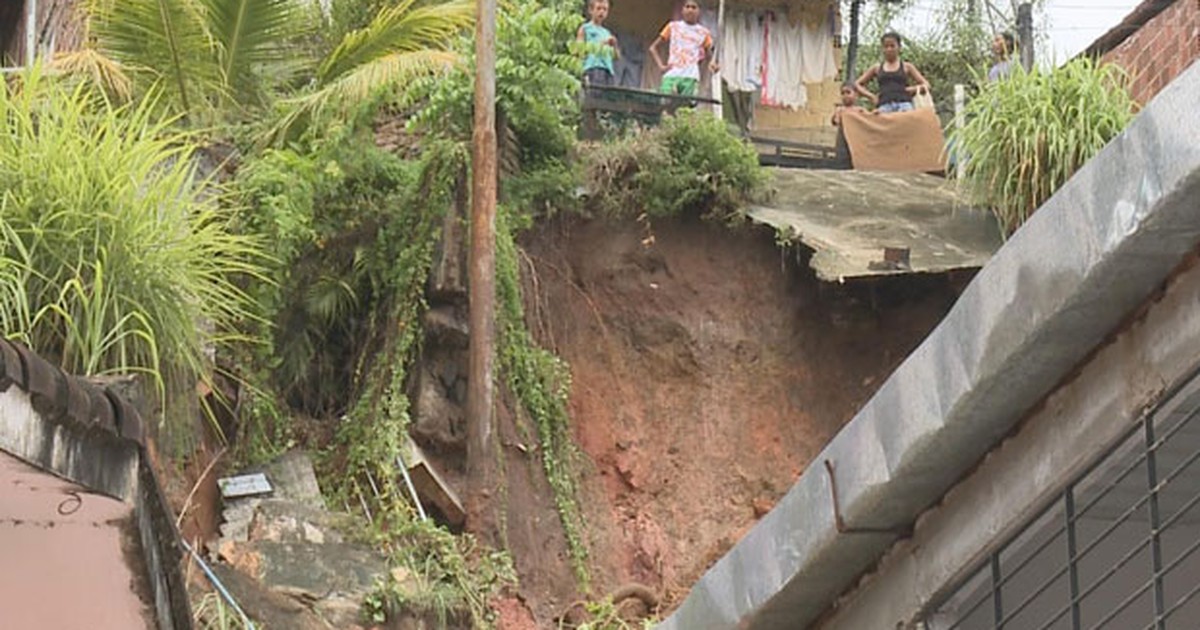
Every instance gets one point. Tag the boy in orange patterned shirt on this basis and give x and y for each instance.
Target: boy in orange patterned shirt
(688, 42)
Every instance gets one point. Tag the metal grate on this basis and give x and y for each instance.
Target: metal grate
(1117, 549)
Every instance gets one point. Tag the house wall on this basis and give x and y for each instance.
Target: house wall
(1075, 425)
(1159, 51)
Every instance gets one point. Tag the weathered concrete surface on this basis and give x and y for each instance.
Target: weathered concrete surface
(304, 570)
(298, 553)
(70, 558)
(1087, 259)
(1058, 442)
(849, 217)
(292, 479)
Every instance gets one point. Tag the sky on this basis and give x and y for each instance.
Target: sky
(1070, 25)
(1075, 24)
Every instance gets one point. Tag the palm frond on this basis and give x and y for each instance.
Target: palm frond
(94, 66)
(250, 35)
(163, 37)
(360, 84)
(402, 28)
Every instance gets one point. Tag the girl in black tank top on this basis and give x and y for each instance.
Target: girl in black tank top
(893, 85)
(895, 88)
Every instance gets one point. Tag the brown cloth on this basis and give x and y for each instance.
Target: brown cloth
(905, 141)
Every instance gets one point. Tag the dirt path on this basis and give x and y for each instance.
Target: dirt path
(708, 369)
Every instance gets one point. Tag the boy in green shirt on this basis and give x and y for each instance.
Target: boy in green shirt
(598, 67)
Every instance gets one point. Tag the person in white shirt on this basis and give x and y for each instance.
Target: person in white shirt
(689, 42)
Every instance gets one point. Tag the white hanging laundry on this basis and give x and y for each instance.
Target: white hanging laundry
(741, 61)
(784, 81)
(755, 46)
(818, 62)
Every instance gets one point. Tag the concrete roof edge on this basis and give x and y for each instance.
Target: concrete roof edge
(89, 434)
(1090, 256)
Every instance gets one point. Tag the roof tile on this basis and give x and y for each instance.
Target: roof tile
(11, 368)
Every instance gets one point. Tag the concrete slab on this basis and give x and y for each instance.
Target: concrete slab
(850, 217)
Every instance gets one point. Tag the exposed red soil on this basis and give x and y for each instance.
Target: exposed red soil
(709, 368)
(512, 614)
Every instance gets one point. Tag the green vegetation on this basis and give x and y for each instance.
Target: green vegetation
(212, 613)
(542, 383)
(124, 248)
(604, 615)
(450, 578)
(222, 59)
(114, 254)
(954, 47)
(690, 163)
(1027, 135)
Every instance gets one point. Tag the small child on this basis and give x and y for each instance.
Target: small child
(688, 42)
(598, 67)
(849, 104)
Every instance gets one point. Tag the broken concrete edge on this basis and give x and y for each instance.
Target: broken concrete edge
(68, 426)
(1087, 259)
(855, 222)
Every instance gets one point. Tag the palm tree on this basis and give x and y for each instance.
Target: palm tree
(402, 41)
(229, 53)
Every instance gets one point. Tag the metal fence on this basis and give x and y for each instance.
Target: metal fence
(1116, 549)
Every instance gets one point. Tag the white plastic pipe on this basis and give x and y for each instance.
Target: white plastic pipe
(30, 32)
(960, 119)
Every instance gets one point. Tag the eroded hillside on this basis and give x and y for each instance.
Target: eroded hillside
(709, 367)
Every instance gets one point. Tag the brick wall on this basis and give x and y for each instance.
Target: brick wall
(1160, 50)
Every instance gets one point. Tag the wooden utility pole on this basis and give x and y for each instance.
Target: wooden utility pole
(852, 55)
(481, 435)
(717, 93)
(1025, 34)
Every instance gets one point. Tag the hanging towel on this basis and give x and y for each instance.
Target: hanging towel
(816, 44)
(741, 61)
(901, 142)
(785, 64)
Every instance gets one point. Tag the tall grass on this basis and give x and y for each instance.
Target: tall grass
(1027, 135)
(114, 254)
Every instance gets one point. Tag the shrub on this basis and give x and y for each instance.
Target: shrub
(1028, 134)
(537, 80)
(324, 211)
(114, 255)
(690, 162)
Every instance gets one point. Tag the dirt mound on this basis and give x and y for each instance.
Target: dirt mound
(709, 367)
